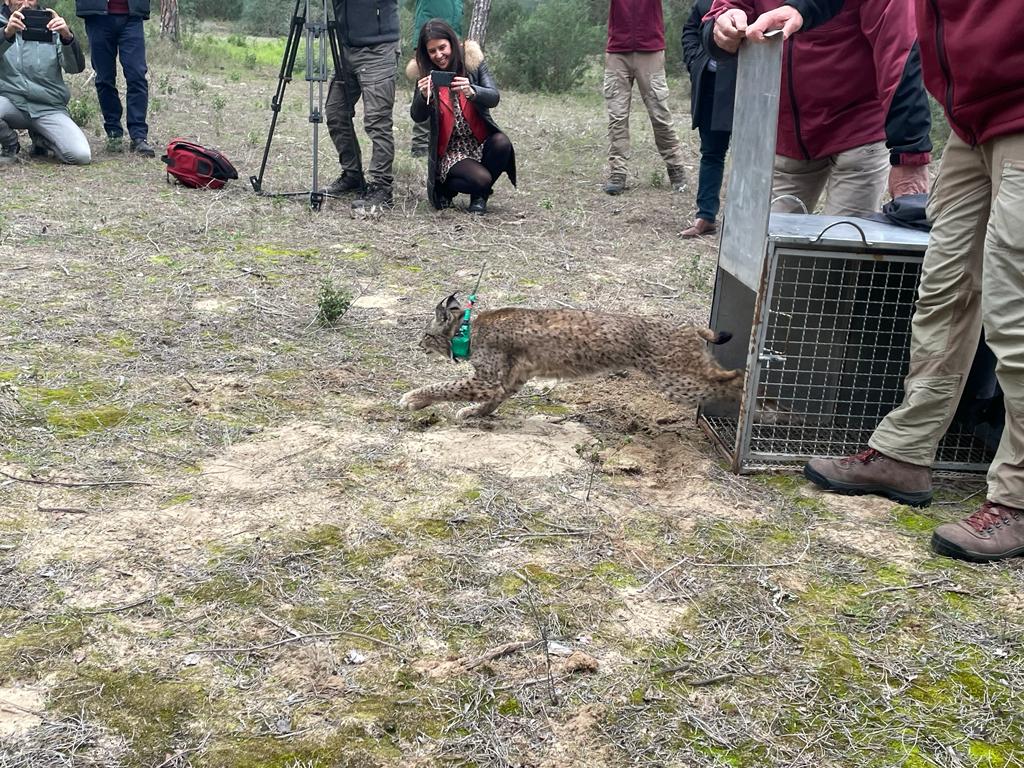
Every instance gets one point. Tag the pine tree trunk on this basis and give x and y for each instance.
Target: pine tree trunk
(478, 24)
(169, 24)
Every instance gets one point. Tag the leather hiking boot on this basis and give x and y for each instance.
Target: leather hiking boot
(346, 184)
(992, 532)
(615, 185)
(477, 205)
(872, 472)
(142, 148)
(376, 197)
(9, 155)
(677, 179)
(699, 228)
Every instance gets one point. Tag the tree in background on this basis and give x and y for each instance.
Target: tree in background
(478, 25)
(170, 26)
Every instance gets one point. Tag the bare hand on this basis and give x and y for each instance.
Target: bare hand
(60, 26)
(730, 29)
(785, 17)
(15, 24)
(424, 86)
(463, 86)
(908, 180)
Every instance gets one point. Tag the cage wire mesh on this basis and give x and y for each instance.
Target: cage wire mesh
(831, 364)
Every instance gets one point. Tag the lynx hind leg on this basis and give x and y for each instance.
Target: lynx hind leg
(689, 390)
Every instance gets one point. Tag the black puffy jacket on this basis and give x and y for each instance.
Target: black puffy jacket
(367, 22)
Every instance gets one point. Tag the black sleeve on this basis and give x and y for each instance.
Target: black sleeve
(816, 12)
(419, 111)
(909, 121)
(487, 94)
(693, 47)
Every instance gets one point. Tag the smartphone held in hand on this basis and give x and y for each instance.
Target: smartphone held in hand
(440, 78)
(35, 26)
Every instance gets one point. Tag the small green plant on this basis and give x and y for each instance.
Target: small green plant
(218, 102)
(332, 303)
(657, 179)
(196, 86)
(250, 60)
(163, 84)
(546, 204)
(82, 111)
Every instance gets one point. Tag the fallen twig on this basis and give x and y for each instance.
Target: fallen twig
(499, 651)
(69, 484)
(119, 608)
(310, 636)
(699, 564)
(920, 585)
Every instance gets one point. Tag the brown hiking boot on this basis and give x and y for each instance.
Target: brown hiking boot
(993, 532)
(872, 472)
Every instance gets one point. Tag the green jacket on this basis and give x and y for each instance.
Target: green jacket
(31, 73)
(448, 10)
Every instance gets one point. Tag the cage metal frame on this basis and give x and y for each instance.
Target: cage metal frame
(749, 438)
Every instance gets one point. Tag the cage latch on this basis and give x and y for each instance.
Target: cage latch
(768, 358)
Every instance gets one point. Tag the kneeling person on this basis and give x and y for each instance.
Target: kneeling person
(468, 152)
(33, 94)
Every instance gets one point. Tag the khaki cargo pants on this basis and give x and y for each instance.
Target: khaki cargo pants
(648, 70)
(853, 181)
(368, 72)
(973, 275)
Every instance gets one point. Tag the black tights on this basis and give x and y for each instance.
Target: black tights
(477, 178)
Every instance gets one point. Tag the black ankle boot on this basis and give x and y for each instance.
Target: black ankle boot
(477, 205)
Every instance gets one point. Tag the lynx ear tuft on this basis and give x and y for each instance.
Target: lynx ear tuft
(443, 311)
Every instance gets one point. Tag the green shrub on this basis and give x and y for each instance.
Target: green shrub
(82, 111)
(268, 17)
(227, 10)
(550, 49)
(332, 303)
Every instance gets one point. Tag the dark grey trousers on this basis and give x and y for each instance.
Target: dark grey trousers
(369, 73)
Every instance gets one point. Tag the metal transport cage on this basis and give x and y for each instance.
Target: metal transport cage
(820, 310)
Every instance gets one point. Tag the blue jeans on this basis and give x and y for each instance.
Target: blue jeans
(111, 36)
(713, 146)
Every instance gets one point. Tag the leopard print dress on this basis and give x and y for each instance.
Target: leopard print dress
(463, 144)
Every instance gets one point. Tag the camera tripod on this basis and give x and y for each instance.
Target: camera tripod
(318, 35)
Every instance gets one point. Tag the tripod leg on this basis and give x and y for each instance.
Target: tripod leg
(287, 67)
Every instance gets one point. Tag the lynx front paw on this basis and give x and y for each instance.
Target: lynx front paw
(413, 401)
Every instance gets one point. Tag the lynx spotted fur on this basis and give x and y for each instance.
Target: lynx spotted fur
(510, 346)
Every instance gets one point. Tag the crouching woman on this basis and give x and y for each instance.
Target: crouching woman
(468, 152)
(33, 95)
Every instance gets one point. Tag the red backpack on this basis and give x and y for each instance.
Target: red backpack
(196, 166)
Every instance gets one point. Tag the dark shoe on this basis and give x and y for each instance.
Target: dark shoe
(615, 185)
(699, 228)
(477, 205)
(993, 532)
(141, 148)
(871, 472)
(115, 144)
(376, 197)
(9, 155)
(677, 179)
(346, 184)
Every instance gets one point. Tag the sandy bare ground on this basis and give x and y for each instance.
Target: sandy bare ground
(222, 544)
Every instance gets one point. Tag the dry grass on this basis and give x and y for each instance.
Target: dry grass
(225, 546)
